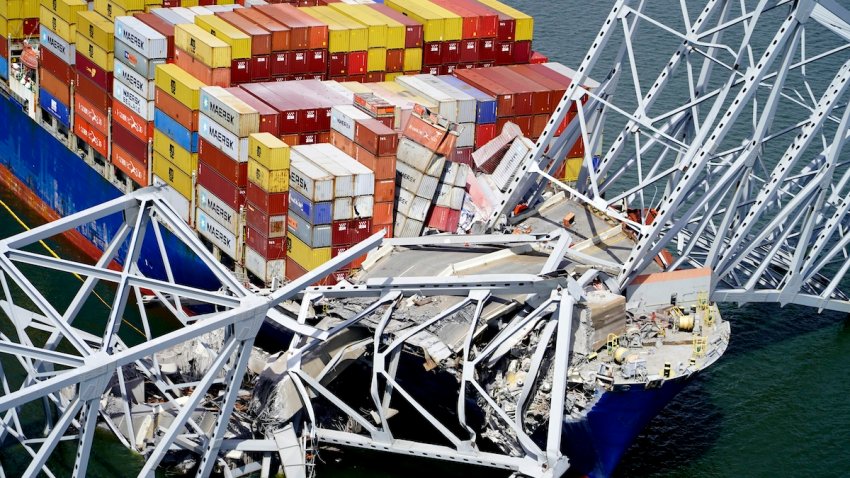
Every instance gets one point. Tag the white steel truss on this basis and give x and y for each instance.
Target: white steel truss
(732, 151)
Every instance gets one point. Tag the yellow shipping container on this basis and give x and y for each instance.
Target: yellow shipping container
(110, 9)
(432, 23)
(11, 28)
(93, 52)
(376, 59)
(189, 3)
(184, 160)
(52, 20)
(524, 23)
(97, 28)
(412, 59)
(178, 83)
(452, 22)
(131, 4)
(304, 255)
(392, 76)
(18, 9)
(269, 151)
(273, 181)
(339, 36)
(358, 33)
(240, 43)
(66, 9)
(202, 46)
(172, 175)
(376, 25)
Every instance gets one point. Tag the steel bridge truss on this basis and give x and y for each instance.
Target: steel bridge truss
(729, 149)
(80, 362)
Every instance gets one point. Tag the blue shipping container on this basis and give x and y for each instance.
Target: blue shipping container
(186, 139)
(58, 109)
(315, 213)
(4, 68)
(485, 111)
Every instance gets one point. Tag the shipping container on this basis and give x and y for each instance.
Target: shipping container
(59, 110)
(310, 180)
(232, 145)
(377, 27)
(413, 30)
(55, 66)
(305, 256)
(93, 52)
(185, 138)
(416, 182)
(66, 9)
(137, 82)
(363, 178)
(99, 76)
(173, 176)
(270, 271)
(269, 151)
(261, 38)
(94, 116)
(270, 203)
(273, 181)
(524, 29)
(234, 171)
(219, 210)
(133, 168)
(136, 61)
(485, 103)
(53, 21)
(136, 102)
(161, 26)
(230, 193)
(64, 50)
(188, 118)
(375, 137)
(56, 87)
(314, 213)
(137, 125)
(139, 36)
(314, 236)
(202, 46)
(344, 117)
(280, 33)
(216, 233)
(98, 30)
(240, 43)
(179, 84)
(94, 138)
(342, 209)
(129, 142)
(204, 73)
(229, 111)
(182, 158)
(268, 116)
(513, 97)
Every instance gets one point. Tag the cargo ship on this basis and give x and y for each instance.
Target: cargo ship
(284, 134)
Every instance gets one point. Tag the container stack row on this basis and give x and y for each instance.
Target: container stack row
(58, 36)
(19, 19)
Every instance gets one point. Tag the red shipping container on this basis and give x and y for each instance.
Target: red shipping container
(465, 66)
(4, 46)
(340, 233)
(323, 137)
(443, 219)
(432, 53)
(512, 98)
(54, 65)
(176, 110)
(357, 62)
(342, 143)
(506, 28)
(293, 271)
(488, 19)
(299, 62)
(424, 133)
(128, 141)
(290, 139)
(56, 87)
(338, 64)
(468, 51)
(483, 134)
(308, 138)
(129, 119)
(94, 116)
(240, 71)
(91, 71)
(395, 61)
(375, 137)
(317, 61)
(165, 28)
(413, 31)
(383, 167)
(262, 221)
(505, 53)
(91, 136)
(462, 156)
(233, 171)
(522, 52)
(359, 230)
(271, 248)
(271, 203)
(261, 39)
(450, 52)
(31, 27)
(281, 63)
(469, 18)
(269, 121)
(486, 49)
(430, 70)
(357, 78)
(261, 68)
(524, 123)
(279, 32)
(447, 69)
(96, 95)
(384, 192)
(375, 76)
(345, 271)
(383, 215)
(299, 35)
(538, 124)
(134, 168)
(170, 3)
(545, 94)
(227, 191)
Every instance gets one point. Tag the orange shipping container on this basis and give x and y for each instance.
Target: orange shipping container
(176, 110)
(207, 75)
(382, 214)
(56, 87)
(280, 32)
(132, 167)
(93, 116)
(91, 136)
(129, 119)
(384, 191)
(383, 166)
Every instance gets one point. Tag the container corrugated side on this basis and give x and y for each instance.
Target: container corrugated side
(141, 37)
(66, 51)
(232, 145)
(485, 104)
(416, 182)
(273, 181)
(309, 179)
(524, 23)
(225, 240)
(136, 102)
(133, 79)
(343, 209)
(343, 119)
(90, 50)
(511, 161)
(240, 43)
(202, 46)
(364, 15)
(218, 209)
(66, 31)
(466, 103)
(418, 209)
(446, 105)
(363, 177)
(98, 29)
(269, 271)
(432, 23)
(66, 9)
(314, 236)
(229, 111)
(268, 150)
(449, 196)
(305, 256)
(186, 139)
(414, 154)
(179, 84)
(315, 213)
(58, 109)
(173, 176)
(137, 62)
(343, 177)
(171, 150)
(364, 206)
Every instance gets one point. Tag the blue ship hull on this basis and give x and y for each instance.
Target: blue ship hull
(65, 184)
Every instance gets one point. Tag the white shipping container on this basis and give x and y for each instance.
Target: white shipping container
(466, 136)
(466, 104)
(446, 105)
(315, 183)
(411, 228)
(268, 271)
(67, 52)
(142, 38)
(414, 154)
(335, 86)
(363, 177)
(343, 118)
(403, 200)
(313, 236)
(254, 3)
(132, 78)
(449, 196)
(343, 178)
(135, 61)
(169, 15)
(178, 203)
(364, 206)
(188, 15)
(218, 210)
(463, 173)
(221, 138)
(343, 209)
(223, 8)
(216, 233)
(486, 157)
(229, 111)
(419, 209)
(398, 224)
(136, 102)
(199, 10)
(414, 181)
(511, 161)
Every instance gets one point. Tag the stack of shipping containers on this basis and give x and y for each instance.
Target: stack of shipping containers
(266, 207)
(442, 32)
(240, 49)
(95, 40)
(259, 67)
(139, 49)
(413, 38)
(348, 41)
(485, 117)
(202, 55)
(19, 19)
(58, 55)
(307, 54)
